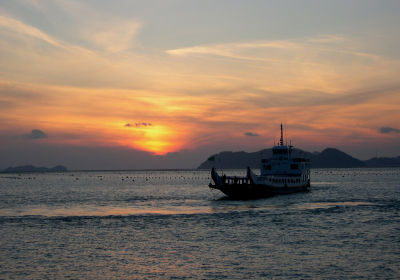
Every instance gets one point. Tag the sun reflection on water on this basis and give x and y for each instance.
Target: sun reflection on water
(104, 211)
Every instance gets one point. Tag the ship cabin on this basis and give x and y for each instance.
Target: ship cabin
(281, 164)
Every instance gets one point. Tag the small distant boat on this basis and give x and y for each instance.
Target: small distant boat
(279, 174)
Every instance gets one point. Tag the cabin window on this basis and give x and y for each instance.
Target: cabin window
(276, 152)
(294, 166)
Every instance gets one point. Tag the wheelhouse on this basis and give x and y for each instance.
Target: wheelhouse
(282, 164)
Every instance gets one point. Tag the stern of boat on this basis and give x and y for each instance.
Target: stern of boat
(216, 178)
(252, 177)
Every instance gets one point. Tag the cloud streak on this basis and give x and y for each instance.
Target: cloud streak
(10, 26)
(138, 125)
(250, 134)
(279, 51)
(98, 29)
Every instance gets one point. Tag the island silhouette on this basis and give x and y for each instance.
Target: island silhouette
(328, 158)
(31, 168)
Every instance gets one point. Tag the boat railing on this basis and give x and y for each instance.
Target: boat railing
(230, 180)
(283, 175)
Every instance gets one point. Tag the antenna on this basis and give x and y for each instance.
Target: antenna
(281, 142)
(284, 118)
(286, 133)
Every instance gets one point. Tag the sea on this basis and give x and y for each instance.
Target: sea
(168, 224)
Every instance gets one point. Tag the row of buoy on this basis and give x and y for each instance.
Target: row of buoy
(147, 178)
(360, 174)
(16, 178)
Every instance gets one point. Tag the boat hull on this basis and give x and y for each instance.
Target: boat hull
(245, 191)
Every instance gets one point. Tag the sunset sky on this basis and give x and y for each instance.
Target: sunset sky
(165, 84)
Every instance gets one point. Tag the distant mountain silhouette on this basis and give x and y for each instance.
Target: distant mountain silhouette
(328, 158)
(333, 158)
(383, 162)
(31, 168)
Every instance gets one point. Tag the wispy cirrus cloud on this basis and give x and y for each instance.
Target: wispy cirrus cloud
(10, 26)
(325, 64)
(87, 29)
(267, 50)
(93, 49)
(119, 37)
(101, 31)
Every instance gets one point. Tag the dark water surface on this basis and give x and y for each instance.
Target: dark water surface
(169, 225)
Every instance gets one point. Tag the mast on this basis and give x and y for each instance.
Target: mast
(281, 135)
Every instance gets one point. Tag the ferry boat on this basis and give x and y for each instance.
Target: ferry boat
(279, 174)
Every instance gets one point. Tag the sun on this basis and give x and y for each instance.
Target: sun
(156, 139)
(156, 146)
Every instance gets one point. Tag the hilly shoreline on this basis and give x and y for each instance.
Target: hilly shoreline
(328, 158)
(31, 168)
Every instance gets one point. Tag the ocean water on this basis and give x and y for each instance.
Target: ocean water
(170, 225)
